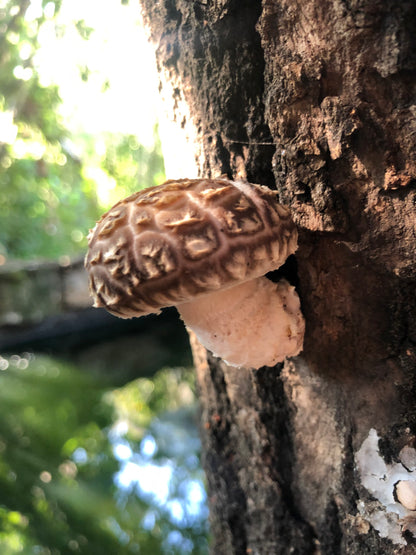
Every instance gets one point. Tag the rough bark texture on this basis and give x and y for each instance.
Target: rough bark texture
(290, 451)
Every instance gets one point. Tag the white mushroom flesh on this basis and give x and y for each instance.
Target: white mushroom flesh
(256, 323)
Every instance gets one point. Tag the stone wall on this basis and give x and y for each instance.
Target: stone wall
(32, 291)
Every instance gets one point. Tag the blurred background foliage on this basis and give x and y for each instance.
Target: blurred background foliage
(89, 469)
(86, 466)
(56, 179)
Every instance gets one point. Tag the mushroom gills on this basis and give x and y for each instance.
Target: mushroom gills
(255, 323)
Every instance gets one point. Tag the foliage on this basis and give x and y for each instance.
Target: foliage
(48, 175)
(73, 473)
(83, 468)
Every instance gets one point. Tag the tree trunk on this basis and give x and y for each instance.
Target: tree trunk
(316, 99)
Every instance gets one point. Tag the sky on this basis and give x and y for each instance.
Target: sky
(117, 51)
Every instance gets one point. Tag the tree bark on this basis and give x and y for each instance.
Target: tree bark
(318, 100)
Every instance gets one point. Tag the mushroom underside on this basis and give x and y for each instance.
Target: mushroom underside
(255, 323)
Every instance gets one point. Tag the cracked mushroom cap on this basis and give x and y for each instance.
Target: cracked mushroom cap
(165, 245)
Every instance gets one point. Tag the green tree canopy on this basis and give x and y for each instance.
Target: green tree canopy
(49, 174)
(86, 469)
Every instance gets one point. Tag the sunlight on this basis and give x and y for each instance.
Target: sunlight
(104, 184)
(108, 82)
(8, 129)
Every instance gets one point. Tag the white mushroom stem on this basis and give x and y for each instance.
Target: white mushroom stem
(256, 323)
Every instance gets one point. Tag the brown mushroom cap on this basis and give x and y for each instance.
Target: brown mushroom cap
(166, 245)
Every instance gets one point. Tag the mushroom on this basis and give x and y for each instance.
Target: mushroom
(203, 245)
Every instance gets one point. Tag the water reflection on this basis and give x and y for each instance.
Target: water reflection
(82, 470)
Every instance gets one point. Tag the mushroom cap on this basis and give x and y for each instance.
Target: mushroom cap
(165, 245)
